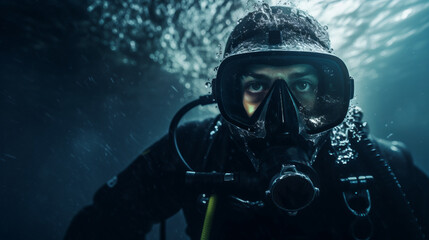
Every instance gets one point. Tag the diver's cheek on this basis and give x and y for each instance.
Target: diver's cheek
(250, 107)
(251, 101)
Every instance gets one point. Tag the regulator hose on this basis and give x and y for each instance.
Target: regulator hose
(172, 133)
(389, 182)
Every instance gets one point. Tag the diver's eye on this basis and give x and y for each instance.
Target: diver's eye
(255, 87)
(302, 86)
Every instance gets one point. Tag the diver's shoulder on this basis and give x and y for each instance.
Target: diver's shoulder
(199, 123)
(194, 134)
(398, 156)
(197, 127)
(393, 149)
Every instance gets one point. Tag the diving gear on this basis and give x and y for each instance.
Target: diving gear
(203, 100)
(296, 186)
(292, 190)
(299, 103)
(281, 37)
(280, 90)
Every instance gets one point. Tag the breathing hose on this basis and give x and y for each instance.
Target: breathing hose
(172, 133)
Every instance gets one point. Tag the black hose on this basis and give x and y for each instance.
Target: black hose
(389, 183)
(172, 133)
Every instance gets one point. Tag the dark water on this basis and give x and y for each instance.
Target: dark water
(86, 86)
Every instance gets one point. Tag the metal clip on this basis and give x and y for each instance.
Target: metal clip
(358, 202)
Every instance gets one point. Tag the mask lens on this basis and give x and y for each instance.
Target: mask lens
(330, 102)
(319, 85)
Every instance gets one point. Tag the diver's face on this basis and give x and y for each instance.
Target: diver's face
(301, 79)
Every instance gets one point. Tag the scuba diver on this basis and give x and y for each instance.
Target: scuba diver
(287, 158)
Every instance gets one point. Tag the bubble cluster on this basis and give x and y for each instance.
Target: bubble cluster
(340, 135)
(216, 128)
(184, 37)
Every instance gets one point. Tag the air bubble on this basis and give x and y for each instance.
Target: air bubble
(219, 52)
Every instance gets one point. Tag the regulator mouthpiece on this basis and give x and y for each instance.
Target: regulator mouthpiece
(292, 190)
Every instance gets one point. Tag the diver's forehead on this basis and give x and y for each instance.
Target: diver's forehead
(271, 70)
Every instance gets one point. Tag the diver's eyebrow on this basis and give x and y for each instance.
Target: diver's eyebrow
(302, 74)
(258, 76)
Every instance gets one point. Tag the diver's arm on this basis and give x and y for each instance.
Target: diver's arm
(148, 191)
(151, 189)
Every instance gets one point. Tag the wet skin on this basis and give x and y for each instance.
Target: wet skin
(301, 79)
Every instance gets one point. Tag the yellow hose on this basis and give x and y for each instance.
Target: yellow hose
(208, 220)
